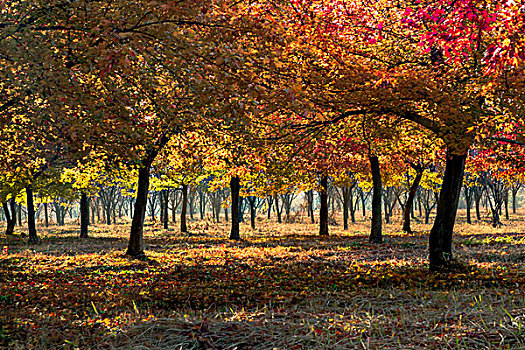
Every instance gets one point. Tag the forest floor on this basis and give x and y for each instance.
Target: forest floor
(281, 287)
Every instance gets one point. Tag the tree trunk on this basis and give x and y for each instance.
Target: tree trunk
(19, 215)
(323, 212)
(253, 211)
(410, 200)
(183, 226)
(46, 215)
(468, 202)
(363, 202)
(84, 215)
(270, 203)
(108, 214)
(165, 212)
(136, 237)
(376, 235)
(202, 204)
(10, 216)
(506, 203)
(514, 191)
(477, 199)
(235, 185)
(277, 209)
(440, 240)
(347, 202)
(31, 225)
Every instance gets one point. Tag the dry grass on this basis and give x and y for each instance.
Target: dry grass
(281, 287)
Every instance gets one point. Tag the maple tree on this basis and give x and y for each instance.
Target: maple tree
(454, 68)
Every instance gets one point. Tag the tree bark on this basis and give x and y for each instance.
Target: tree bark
(10, 215)
(19, 215)
(235, 185)
(165, 213)
(31, 225)
(323, 212)
(46, 215)
(136, 237)
(278, 209)
(84, 215)
(253, 210)
(410, 200)
(183, 225)
(376, 234)
(440, 240)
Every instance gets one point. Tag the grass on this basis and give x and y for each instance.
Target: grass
(281, 287)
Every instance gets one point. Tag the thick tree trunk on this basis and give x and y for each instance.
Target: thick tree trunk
(323, 212)
(31, 225)
(136, 240)
(10, 215)
(84, 215)
(410, 200)
(183, 225)
(440, 240)
(235, 185)
(376, 234)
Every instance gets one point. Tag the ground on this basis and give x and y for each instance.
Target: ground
(281, 287)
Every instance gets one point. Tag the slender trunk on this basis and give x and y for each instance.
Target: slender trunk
(84, 215)
(108, 214)
(165, 215)
(278, 209)
(419, 204)
(477, 200)
(191, 202)
(270, 203)
(410, 200)
(514, 202)
(506, 202)
(253, 212)
(136, 237)
(363, 202)
(385, 205)
(235, 185)
(323, 212)
(347, 199)
(31, 225)
(376, 235)
(130, 208)
(440, 240)
(183, 226)
(46, 215)
(19, 215)
(202, 204)
(468, 202)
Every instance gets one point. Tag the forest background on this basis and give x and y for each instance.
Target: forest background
(173, 108)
